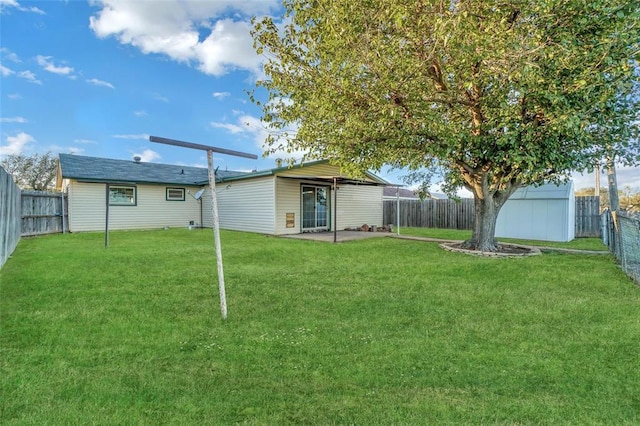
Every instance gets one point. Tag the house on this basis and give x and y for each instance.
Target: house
(307, 197)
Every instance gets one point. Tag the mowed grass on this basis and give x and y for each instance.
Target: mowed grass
(379, 331)
(592, 244)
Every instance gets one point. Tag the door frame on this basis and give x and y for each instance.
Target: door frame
(315, 187)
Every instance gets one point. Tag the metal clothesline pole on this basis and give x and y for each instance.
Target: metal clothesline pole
(214, 202)
(216, 234)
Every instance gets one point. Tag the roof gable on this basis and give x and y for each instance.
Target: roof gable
(320, 169)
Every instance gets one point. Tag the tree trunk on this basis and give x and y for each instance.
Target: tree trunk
(484, 226)
(487, 206)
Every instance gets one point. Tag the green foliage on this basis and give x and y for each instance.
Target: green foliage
(379, 331)
(497, 94)
(629, 198)
(36, 171)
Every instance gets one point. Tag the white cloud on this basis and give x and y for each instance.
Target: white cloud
(13, 120)
(85, 141)
(9, 54)
(67, 149)
(148, 155)
(191, 31)
(140, 113)
(16, 144)
(14, 96)
(228, 47)
(14, 3)
(258, 131)
(75, 150)
(6, 71)
(220, 95)
(159, 97)
(140, 136)
(29, 76)
(231, 128)
(625, 176)
(102, 83)
(46, 63)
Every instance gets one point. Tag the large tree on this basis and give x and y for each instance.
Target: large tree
(496, 94)
(36, 171)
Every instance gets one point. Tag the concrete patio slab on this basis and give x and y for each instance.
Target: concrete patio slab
(340, 236)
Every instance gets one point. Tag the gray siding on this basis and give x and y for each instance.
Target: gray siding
(359, 204)
(244, 205)
(288, 195)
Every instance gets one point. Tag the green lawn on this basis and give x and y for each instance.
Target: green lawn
(378, 331)
(594, 244)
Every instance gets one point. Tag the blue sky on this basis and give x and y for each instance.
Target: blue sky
(97, 78)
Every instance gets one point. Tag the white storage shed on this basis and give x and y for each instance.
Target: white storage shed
(545, 213)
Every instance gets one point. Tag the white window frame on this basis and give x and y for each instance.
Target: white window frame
(122, 201)
(170, 198)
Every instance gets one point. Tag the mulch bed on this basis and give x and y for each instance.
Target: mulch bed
(504, 250)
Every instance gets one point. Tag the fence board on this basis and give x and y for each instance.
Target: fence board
(9, 216)
(447, 214)
(588, 222)
(450, 214)
(42, 213)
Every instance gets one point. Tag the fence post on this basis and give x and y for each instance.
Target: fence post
(10, 216)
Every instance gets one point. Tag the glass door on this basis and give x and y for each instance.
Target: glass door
(315, 211)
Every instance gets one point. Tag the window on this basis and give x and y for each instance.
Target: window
(122, 196)
(175, 194)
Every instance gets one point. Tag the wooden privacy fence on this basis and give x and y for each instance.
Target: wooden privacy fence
(588, 222)
(43, 213)
(9, 216)
(447, 214)
(450, 214)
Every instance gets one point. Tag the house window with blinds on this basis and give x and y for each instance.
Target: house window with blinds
(175, 194)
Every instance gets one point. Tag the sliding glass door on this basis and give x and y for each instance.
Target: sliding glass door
(315, 208)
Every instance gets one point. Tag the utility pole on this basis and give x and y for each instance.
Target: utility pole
(614, 202)
(597, 172)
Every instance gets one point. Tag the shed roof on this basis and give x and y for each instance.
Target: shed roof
(544, 192)
(96, 169)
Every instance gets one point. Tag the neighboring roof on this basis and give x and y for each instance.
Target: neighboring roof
(390, 192)
(96, 169)
(438, 196)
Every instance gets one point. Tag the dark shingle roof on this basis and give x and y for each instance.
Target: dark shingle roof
(108, 170)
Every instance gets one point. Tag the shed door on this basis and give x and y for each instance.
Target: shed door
(315, 211)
